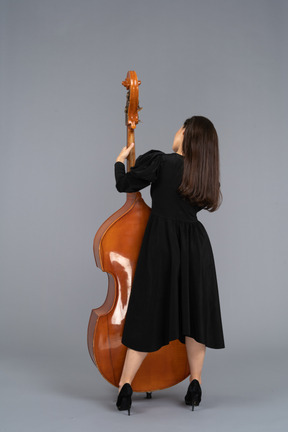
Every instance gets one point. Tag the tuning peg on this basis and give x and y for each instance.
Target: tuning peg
(132, 124)
(139, 82)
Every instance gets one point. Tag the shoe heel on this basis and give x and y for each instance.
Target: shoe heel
(124, 400)
(195, 403)
(193, 395)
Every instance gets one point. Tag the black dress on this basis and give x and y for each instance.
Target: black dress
(174, 291)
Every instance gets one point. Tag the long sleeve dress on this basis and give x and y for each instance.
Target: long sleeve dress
(174, 291)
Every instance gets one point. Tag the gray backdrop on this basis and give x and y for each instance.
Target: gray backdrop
(62, 127)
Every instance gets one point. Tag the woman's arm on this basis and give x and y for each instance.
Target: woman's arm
(141, 174)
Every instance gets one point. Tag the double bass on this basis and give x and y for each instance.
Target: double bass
(116, 248)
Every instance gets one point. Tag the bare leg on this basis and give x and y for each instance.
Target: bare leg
(196, 353)
(133, 361)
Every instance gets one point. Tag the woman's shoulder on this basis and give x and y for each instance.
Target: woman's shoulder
(157, 157)
(152, 153)
(149, 156)
(173, 157)
(159, 153)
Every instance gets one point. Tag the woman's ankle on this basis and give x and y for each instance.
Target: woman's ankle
(121, 385)
(194, 377)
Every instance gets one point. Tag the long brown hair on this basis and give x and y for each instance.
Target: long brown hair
(201, 172)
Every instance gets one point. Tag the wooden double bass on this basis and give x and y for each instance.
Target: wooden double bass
(116, 248)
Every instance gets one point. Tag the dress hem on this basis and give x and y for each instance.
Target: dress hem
(171, 340)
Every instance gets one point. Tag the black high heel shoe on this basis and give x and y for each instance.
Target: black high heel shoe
(193, 395)
(124, 400)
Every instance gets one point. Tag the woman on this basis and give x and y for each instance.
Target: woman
(174, 293)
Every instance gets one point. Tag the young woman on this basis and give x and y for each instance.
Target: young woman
(175, 270)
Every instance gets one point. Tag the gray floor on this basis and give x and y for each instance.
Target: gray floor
(239, 393)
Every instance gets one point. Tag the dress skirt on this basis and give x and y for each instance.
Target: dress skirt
(174, 292)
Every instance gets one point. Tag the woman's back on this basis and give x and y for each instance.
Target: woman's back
(166, 200)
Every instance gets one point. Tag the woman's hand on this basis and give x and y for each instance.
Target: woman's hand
(124, 153)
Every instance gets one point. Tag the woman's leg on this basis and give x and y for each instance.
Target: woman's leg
(133, 361)
(196, 353)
